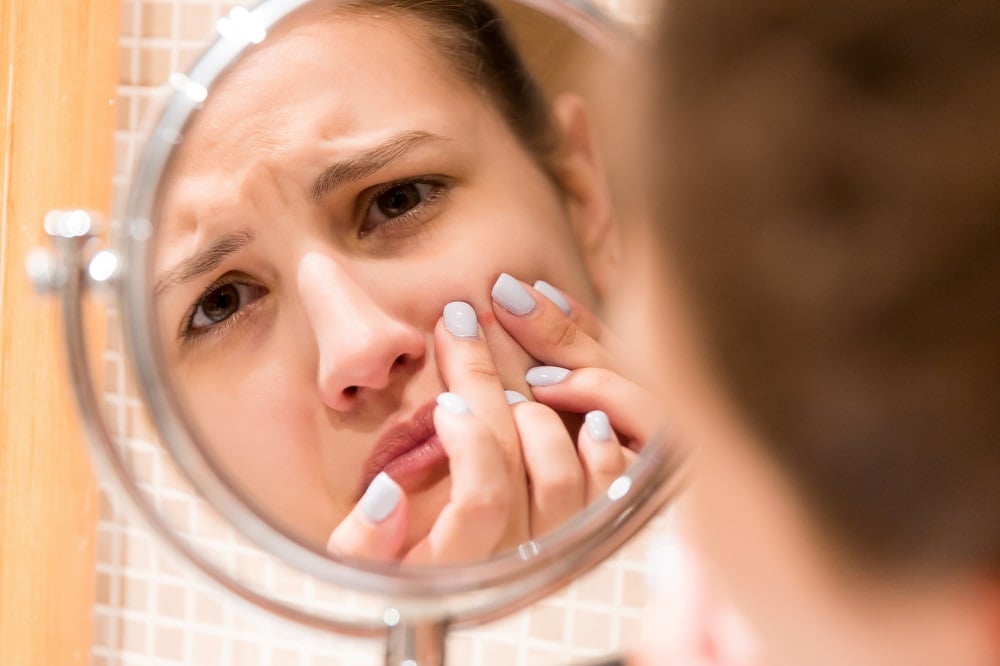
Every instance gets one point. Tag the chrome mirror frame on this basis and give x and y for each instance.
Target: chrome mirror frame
(422, 601)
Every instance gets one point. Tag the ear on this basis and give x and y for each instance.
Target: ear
(580, 171)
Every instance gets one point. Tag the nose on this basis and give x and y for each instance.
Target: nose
(362, 348)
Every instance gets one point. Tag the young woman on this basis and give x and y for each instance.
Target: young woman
(826, 217)
(352, 227)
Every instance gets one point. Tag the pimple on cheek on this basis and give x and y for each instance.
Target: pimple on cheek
(487, 317)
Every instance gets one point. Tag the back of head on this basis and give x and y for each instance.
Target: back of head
(832, 203)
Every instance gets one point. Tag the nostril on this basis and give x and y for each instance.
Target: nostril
(400, 360)
(351, 391)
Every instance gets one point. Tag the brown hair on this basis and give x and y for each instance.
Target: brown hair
(832, 204)
(475, 40)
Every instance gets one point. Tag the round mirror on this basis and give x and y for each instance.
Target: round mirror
(362, 275)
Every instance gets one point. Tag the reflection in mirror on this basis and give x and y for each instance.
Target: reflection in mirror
(375, 206)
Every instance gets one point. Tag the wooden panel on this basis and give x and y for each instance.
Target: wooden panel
(57, 85)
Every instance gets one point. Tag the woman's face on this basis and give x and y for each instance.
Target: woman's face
(337, 190)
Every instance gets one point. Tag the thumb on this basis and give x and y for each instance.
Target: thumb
(376, 527)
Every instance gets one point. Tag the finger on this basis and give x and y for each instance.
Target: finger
(602, 457)
(376, 527)
(473, 521)
(467, 369)
(543, 328)
(556, 481)
(633, 411)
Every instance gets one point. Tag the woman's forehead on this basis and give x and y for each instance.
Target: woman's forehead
(342, 72)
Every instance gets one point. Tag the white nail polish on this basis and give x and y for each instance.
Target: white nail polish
(453, 403)
(598, 426)
(513, 397)
(381, 498)
(512, 296)
(545, 375)
(553, 294)
(460, 320)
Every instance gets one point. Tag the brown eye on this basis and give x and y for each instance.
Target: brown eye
(399, 200)
(221, 303)
(399, 203)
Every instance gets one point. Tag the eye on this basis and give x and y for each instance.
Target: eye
(398, 203)
(219, 303)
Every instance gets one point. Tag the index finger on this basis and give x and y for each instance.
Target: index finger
(545, 330)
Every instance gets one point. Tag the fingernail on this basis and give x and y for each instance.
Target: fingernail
(545, 375)
(598, 426)
(381, 498)
(453, 403)
(513, 397)
(553, 294)
(460, 320)
(511, 296)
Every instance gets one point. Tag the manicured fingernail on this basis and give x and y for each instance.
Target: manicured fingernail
(460, 320)
(553, 294)
(598, 426)
(453, 403)
(381, 498)
(512, 296)
(513, 397)
(545, 375)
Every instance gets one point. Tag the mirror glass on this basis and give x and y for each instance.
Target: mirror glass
(380, 202)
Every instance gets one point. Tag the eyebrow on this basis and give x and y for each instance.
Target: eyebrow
(356, 168)
(204, 261)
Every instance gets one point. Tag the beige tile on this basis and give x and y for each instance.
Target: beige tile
(169, 643)
(245, 652)
(207, 611)
(133, 637)
(498, 654)
(126, 75)
(197, 21)
(155, 66)
(157, 19)
(187, 57)
(591, 630)
(634, 593)
(127, 15)
(280, 657)
(208, 649)
(548, 622)
(136, 594)
(171, 600)
(598, 586)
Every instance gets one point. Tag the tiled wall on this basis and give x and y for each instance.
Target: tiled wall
(151, 610)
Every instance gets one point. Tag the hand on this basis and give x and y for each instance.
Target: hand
(515, 471)
(579, 374)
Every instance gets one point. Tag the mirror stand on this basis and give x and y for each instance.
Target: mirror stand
(416, 643)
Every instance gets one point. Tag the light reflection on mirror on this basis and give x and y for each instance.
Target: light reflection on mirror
(369, 167)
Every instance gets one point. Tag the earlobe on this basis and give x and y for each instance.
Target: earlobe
(580, 170)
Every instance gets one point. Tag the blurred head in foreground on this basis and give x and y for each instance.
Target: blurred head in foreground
(824, 208)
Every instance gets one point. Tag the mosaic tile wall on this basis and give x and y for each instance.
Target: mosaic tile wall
(151, 609)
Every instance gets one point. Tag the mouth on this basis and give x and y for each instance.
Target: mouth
(409, 452)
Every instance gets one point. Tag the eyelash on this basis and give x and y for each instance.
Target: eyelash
(189, 334)
(416, 215)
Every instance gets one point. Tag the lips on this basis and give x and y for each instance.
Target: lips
(409, 452)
